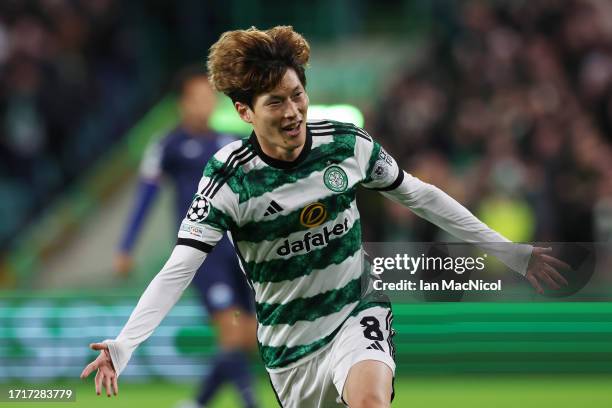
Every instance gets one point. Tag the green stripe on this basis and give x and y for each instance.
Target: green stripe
(219, 220)
(284, 225)
(257, 182)
(275, 357)
(281, 356)
(309, 309)
(372, 162)
(213, 167)
(335, 252)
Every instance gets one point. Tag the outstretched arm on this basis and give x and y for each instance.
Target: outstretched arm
(207, 219)
(433, 204)
(436, 206)
(154, 304)
(382, 173)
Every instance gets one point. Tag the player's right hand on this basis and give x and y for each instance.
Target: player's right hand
(123, 264)
(106, 374)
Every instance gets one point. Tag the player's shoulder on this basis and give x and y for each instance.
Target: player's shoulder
(329, 127)
(232, 148)
(229, 158)
(225, 169)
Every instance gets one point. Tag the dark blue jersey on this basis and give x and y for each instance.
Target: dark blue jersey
(181, 158)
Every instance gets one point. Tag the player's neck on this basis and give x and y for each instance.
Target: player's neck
(280, 152)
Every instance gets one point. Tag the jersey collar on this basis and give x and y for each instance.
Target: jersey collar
(282, 164)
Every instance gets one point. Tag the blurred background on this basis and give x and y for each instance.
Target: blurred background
(505, 105)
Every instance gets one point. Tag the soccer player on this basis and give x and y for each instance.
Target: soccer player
(180, 157)
(287, 197)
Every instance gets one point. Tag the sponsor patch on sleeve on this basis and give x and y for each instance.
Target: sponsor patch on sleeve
(193, 230)
(383, 167)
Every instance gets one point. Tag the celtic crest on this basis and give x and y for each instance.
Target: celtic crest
(335, 179)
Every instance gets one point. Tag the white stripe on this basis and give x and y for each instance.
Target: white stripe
(353, 131)
(340, 127)
(363, 152)
(310, 122)
(363, 133)
(302, 333)
(325, 130)
(319, 281)
(253, 164)
(321, 140)
(228, 149)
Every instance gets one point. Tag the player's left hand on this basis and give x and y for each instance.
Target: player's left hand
(106, 371)
(542, 268)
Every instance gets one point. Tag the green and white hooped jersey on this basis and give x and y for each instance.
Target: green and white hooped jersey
(296, 229)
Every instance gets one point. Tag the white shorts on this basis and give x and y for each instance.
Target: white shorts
(319, 381)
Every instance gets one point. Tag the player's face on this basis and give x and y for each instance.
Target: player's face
(279, 117)
(197, 102)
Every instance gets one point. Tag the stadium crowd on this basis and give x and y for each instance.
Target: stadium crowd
(509, 110)
(66, 78)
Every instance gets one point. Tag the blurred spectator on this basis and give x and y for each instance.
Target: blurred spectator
(525, 128)
(533, 76)
(68, 88)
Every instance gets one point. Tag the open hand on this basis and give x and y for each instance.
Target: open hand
(542, 268)
(106, 374)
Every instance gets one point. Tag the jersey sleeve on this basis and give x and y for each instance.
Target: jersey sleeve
(380, 170)
(155, 303)
(213, 211)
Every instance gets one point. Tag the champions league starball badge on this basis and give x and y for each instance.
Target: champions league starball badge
(199, 209)
(335, 179)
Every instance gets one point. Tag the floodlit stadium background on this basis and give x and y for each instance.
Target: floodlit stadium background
(506, 105)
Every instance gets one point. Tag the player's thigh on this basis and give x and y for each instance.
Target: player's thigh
(369, 384)
(364, 354)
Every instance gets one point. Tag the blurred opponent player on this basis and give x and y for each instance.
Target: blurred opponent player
(287, 195)
(180, 156)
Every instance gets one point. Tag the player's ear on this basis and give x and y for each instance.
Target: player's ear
(244, 111)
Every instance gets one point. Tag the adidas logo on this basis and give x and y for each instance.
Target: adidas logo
(375, 346)
(273, 208)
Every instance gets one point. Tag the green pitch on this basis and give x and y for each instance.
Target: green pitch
(500, 391)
